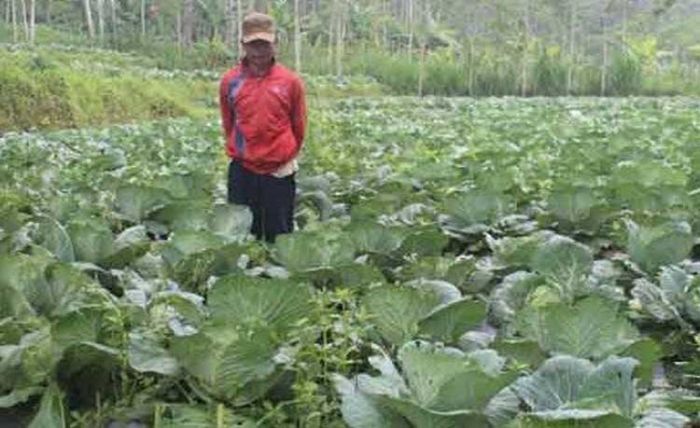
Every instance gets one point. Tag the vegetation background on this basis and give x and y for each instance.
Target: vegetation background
(67, 63)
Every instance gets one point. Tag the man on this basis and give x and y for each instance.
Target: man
(263, 113)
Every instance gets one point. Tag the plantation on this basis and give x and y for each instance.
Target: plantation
(495, 262)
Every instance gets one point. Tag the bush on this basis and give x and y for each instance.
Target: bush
(35, 92)
(625, 75)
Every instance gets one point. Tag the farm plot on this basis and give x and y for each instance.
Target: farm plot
(458, 263)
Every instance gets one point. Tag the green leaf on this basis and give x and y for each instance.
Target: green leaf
(184, 215)
(50, 288)
(445, 379)
(275, 303)
(477, 207)
(374, 238)
(54, 237)
(361, 411)
(96, 322)
(446, 388)
(424, 418)
(654, 246)
(95, 360)
(232, 222)
(522, 351)
(572, 204)
(663, 418)
(675, 299)
(13, 304)
(396, 311)
(64, 289)
(189, 185)
(428, 242)
(230, 365)
(502, 408)
(194, 416)
(563, 261)
(305, 251)
(51, 412)
(447, 323)
(146, 354)
(648, 352)
(513, 252)
(135, 202)
(28, 363)
(129, 245)
(592, 328)
(508, 297)
(555, 384)
(572, 389)
(611, 384)
(92, 239)
(188, 306)
(19, 396)
(574, 419)
(359, 276)
(446, 292)
(187, 242)
(654, 301)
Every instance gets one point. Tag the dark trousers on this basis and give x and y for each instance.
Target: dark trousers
(271, 200)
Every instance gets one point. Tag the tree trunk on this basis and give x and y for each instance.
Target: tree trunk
(32, 21)
(340, 39)
(143, 18)
(88, 19)
(421, 69)
(47, 12)
(471, 66)
(297, 38)
(14, 21)
(572, 49)
(604, 68)
(178, 28)
(239, 26)
(332, 34)
(113, 12)
(25, 23)
(624, 21)
(101, 20)
(526, 46)
(230, 33)
(188, 23)
(385, 30)
(410, 29)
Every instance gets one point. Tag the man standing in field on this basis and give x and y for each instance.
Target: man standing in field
(263, 113)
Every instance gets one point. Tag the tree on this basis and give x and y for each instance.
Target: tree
(230, 33)
(32, 21)
(88, 18)
(14, 21)
(572, 46)
(101, 20)
(143, 18)
(24, 19)
(188, 23)
(526, 48)
(297, 38)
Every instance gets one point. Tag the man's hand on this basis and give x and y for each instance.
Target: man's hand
(287, 169)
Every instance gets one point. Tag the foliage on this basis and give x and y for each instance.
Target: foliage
(460, 262)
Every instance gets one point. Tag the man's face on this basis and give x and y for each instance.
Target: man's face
(259, 53)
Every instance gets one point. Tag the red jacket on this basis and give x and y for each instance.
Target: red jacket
(263, 117)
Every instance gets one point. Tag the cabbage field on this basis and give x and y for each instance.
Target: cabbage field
(458, 263)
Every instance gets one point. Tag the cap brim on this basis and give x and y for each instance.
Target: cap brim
(259, 36)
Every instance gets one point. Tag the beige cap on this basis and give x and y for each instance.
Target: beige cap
(258, 26)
